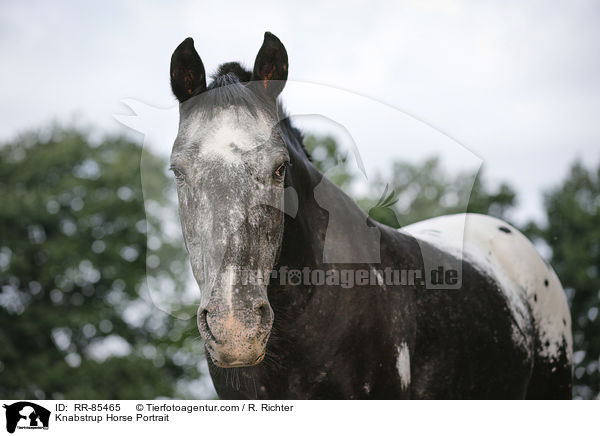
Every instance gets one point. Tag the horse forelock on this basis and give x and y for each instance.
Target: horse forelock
(228, 88)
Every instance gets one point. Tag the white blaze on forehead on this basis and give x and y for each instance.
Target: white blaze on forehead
(232, 132)
(403, 364)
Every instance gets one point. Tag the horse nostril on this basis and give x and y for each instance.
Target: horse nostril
(203, 325)
(264, 312)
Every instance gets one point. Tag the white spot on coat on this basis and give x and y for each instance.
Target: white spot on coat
(403, 364)
(513, 262)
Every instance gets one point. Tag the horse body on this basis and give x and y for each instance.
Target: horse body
(503, 332)
(521, 324)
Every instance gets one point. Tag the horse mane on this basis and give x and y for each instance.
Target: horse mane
(229, 88)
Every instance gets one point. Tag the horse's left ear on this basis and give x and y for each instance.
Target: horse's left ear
(271, 65)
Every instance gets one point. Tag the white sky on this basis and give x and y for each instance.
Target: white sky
(517, 83)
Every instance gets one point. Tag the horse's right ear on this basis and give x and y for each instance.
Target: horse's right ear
(187, 71)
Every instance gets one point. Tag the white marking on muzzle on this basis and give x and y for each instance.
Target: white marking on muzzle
(229, 284)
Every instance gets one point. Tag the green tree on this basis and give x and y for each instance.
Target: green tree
(413, 192)
(572, 231)
(426, 190)
(328, 158)
(72, 265)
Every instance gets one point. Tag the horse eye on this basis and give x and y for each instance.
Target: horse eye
(280, 169)
(179, 176)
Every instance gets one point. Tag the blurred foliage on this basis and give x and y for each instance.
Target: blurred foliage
(426, 190)
(74, 259)
(572, 232)
(72, 269)
(412, 192)
(329, 159)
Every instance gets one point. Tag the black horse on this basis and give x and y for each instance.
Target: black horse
(304, 296)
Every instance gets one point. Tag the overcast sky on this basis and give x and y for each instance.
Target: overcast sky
(517, 83)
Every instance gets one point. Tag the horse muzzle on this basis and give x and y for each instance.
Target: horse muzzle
(236, 337)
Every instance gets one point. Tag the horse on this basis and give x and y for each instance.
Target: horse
(250, 199)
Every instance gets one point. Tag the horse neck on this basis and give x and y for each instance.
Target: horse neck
(305, 233)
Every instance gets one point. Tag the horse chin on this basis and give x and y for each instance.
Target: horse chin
(236, 363)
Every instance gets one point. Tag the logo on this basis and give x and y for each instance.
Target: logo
(26, 415)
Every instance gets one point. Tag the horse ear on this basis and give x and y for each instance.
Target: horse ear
(187, 71)
(271, 65)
